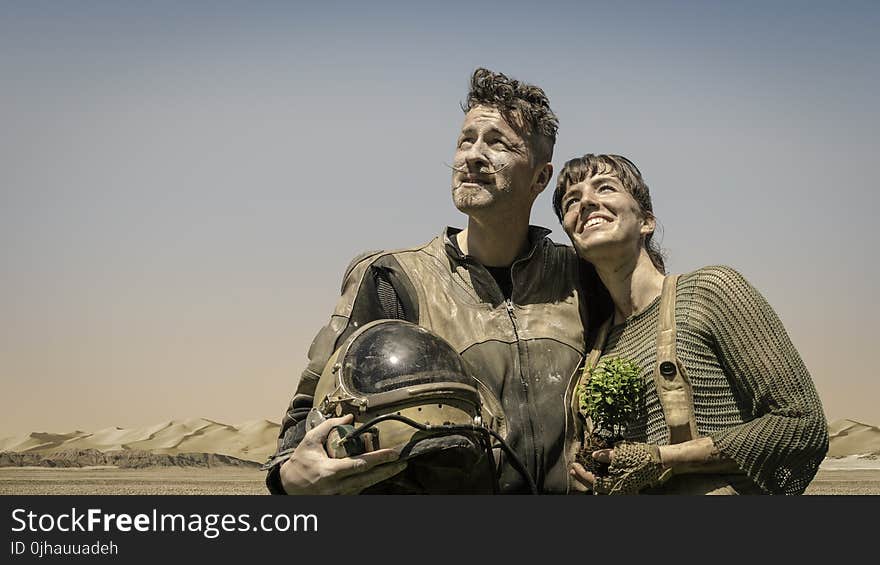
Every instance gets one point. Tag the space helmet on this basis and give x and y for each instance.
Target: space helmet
(409, 390)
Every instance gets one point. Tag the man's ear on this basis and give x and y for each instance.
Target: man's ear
(542, 178)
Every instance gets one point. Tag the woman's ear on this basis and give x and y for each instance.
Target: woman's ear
(649, 224)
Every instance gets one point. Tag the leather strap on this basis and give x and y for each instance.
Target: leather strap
(670, 378)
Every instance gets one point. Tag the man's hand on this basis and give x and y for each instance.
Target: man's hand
(634, 467)
(309, 470)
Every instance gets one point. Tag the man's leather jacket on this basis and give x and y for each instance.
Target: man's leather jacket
(526, 349)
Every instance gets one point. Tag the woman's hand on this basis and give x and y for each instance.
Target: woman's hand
(584, 480)
(633, 467)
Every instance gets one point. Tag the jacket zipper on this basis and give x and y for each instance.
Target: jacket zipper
(528, 430)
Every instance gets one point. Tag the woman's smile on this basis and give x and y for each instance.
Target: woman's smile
(595, 220)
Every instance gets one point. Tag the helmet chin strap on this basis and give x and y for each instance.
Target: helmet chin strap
(485, 433)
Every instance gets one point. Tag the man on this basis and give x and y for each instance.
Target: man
(503, 294)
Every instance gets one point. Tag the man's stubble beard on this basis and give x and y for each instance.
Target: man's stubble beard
(466, 199)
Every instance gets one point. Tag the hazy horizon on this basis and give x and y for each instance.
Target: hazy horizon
(183, 187)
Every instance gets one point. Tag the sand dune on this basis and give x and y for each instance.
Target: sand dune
(848, 437)
(253, 440)
(36, 441)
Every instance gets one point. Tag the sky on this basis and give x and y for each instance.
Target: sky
(183, 184)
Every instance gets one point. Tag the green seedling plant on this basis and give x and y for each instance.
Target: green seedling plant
(609, 397)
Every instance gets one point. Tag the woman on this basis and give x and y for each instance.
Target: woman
(728, 406)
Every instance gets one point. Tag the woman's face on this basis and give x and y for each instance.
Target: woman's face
(602, 218)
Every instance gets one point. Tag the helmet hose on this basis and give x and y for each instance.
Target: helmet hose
(515, 461)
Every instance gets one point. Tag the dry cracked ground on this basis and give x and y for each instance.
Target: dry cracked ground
(196, 481)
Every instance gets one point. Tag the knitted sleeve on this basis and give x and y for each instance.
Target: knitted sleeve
(783, 443)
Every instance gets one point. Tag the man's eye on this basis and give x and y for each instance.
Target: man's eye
(568, 204)
(607, 188)
(464, 142)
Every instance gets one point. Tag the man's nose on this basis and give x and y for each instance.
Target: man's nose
(475, 156)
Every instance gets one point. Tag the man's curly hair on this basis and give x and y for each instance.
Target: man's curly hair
(520, 103)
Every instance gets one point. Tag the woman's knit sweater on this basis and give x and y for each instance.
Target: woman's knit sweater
(752, 393)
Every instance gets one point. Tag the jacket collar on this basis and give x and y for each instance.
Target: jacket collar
(536, 235)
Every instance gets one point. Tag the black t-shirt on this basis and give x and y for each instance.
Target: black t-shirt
(500, 274)
(503, 278)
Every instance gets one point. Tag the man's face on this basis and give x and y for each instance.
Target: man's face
(493, 167)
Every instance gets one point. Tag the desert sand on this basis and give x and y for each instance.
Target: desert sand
(153, 480)
(851, 468)
(253, 440)
(847, 437)
(195, 481)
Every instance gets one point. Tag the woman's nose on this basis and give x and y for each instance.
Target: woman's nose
(589, 200)
(587, 204)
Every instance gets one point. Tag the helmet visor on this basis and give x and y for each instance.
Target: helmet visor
(394, 356)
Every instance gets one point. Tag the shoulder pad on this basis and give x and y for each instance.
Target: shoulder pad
(357, 260)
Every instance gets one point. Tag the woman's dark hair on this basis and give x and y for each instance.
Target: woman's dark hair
(581, 168)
